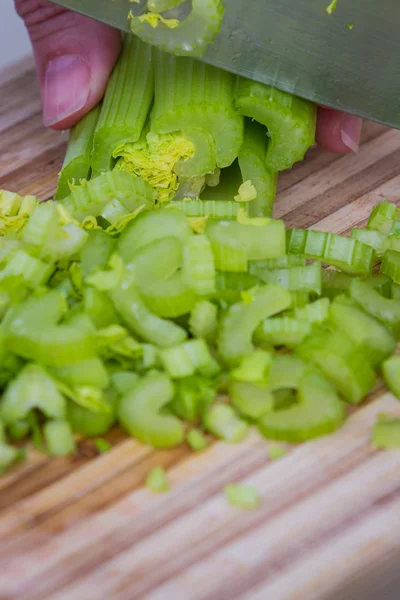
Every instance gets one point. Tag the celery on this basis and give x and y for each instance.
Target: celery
(97, 251)
(253, 166)
(203, 320)
(157, 481)
(390, 265)
(8, 454)
(318, 411)
(251, 399)
(86, 422)
(59, 438)
(99, 308)
(294, 279)
(212, 209)
(189, 36)
(254, 368)
(383, 309)
(386, 434)
(77, 160)
(169, 298)
(139, 412)
(290, 121)
(185, 359)
(231, 285)
(377, 240)
(222, 421)
(196, 440)
(199, 269)
(87, 372)
(391, 374)
(193, 396)
(242, 496)
(383, 216)
(282, 331)
(126, 103)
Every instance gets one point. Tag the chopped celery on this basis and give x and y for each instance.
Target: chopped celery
(383, 216)
(199, 268)
(318, 411)
(86, 372)
(390, 265)
(315, 312)
(139, 412)
(77, 160)
(88, 423)
(242, 319)
(231, 285)
(386, 434)
(242, 496)
(97, 251)
(385, 310)
(157, 481)
(286, 372)
(196, 440)
(102, 446)
(251, 399)
(187, 358)
(59, 438)
(254, 368)
(222, 421)
(282, 331)
(126, 103)
(290, 121)
(334, 283)
(193, 396)
(294, 279)
(203, 320)
(189, 36)
(169, 298)
(276, 452)
(99, 308)
(377, 240)
(391, 374)
(212, 209)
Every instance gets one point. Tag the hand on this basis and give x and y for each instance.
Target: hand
(75, 56)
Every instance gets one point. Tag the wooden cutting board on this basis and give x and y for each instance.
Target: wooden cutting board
(86, 528)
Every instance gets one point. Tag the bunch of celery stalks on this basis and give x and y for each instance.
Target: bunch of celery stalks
(158, 292)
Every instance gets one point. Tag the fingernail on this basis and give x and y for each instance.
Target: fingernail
(67, 87)
(350, 132)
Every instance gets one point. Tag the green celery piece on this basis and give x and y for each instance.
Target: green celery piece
(196, 99)
(99, 308)
(149, 227)
(395, 292)
(390, 265)
(318, 411)
(210, 208)
(276, 452)
(242, 496)
(86, 372)
(286, 261)
(157, 481)
(341, 361)
(251, 399)
(254, 168)
(36, 312)
(377, 240)
(97, 251)
(241, 320)
(286, 372)
(203, 321)
(290, 121)
(254, 368)
(123, 381)
(386, 434)
(41, 226)
(294, 279)
(346, 254)
(231, 285)
(186, 358)
(169, 298)
(59, 439)
(283, 398)
(196, 440)
(334, 283)
(189, 36)
(89, 423)
(102, 446)
(282, 331)
(91, 198)
(158, 6)
(19, 430)
(156, 261)
(222, 421)
(315, 312)
(142, 321)
(32, 271)
(391, 374)
(198, 265)
(32, 388)
(77, 160)
(126, 103)
(250, 241)
(193, 396)
(139, 412)
(300, 299)
(383, 216)
(383, 309)
(347, 316)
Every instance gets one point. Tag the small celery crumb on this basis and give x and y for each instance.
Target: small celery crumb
(154, 20)
(246, 193)
(350, 26)
(196, 440)
(332, 7)
(102, 445)
(157, 481)
(242, 496)
(276, 452)
(386, 433)
(198, 224)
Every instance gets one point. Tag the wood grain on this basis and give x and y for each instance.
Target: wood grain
(86, 528)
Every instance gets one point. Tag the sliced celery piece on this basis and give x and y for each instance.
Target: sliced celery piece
(385, 310)
(254, 368)
(157, 481)
(346, 316)
(222, 421)
(193, 396)
(390, 265)
(99, 308)
(391, 374)
(139, 412)
(294, 279)
(241, 320)
(282, 331)
(59, 439)
(185, 359)
(126, 103)
(231, 285)
(189, 36)
(198, 266)
(32, 388)
(286, 261)
(203, 321)
(142, 321)
(286, 372)
(341, 361)
(386, 434)
(32, 271)
(151, 226)
(90, 198)
(334, 283)
(318, 411)
(196, 440)
(169, 298)
(156, 261)
(97, 251)
(315, 312)
(212, 209)
(77, 160)
(346, 254)
(383, 216)
(290, 121)
(89, 423)
(242, 496)
(251, 399)
(254, 168)
(86, 372)
(377, 240)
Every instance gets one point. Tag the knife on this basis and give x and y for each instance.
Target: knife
(348, 60)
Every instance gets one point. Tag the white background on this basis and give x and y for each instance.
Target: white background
(14, 41)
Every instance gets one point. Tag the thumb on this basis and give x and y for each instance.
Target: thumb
(74, 58)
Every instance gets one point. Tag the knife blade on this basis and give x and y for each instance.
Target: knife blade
(349, 60)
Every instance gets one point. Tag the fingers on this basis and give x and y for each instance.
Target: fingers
(338, 132)
(74, 58)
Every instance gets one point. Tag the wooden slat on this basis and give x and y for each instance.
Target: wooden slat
(86, 527)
